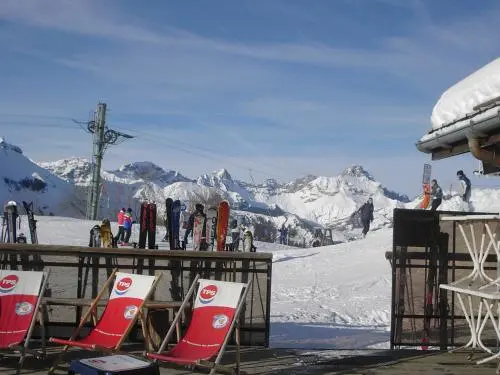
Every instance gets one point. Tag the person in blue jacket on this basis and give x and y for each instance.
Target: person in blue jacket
(128, 221)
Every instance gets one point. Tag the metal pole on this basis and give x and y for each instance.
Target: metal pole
(100, 126)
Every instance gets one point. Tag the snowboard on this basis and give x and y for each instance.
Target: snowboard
(151, 212)
(222, 224)
(95, 236)
(106, 235)
(176, 217)
(199, 233)
(426, 185)
(143, 225)
(168, 210)
(210, 226)
(248, 246)
(28, 207)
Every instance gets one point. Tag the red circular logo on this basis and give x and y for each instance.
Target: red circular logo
(8, 283)
(123, 285)
(208, 293)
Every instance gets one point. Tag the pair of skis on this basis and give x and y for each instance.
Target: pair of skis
(147, 226)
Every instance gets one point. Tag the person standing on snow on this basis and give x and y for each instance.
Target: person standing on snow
(366, 211)
(121, 232)
(465, 189)
(127, 224)
(436, 195)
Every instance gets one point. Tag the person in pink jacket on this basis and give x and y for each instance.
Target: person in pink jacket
(121, 232)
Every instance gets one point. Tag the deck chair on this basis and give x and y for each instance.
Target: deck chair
(20, 295)
(216, 311)
(126, 300)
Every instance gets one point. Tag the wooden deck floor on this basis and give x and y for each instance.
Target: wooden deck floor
(299, 362)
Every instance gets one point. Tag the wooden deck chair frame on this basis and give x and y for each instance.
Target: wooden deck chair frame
(92, 313)
(25, 349)
(214, 366)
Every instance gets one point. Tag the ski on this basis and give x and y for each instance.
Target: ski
(143, 225)
(151, 213)
(28, 207)
(176, 217)
(168, 210)
(222, 224)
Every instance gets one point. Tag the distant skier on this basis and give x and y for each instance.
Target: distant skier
(121, 233)
(127, 224)
(436, 195)
(190, 224)
(283, 234)
(366, 211)
(465, 189)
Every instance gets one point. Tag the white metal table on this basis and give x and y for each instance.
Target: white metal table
(478, 284)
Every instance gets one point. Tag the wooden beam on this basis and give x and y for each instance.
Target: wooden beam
(129, 253)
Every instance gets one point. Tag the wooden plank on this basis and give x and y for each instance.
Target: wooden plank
(63, 250)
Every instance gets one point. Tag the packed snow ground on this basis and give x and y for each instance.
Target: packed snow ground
(333, 297)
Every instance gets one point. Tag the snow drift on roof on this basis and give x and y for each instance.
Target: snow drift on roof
(460, 99)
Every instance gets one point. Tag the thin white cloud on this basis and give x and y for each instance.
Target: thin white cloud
(427, 50)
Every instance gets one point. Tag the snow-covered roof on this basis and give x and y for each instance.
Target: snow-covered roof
(459, 100)
(470, 106)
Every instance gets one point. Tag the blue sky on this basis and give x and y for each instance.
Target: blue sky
(275, 88)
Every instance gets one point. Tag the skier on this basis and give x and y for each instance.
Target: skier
(198, 210)
(465, 189)
(366, 211)
(121, 232)
(436, 195)
(127, 224)
(235, 235)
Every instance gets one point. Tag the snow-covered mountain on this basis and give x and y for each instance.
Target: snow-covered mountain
(24, 180)
(303, 204)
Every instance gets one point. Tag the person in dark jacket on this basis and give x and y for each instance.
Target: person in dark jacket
(366, 213)
(465, 189)
(436, 195)
(190, 224)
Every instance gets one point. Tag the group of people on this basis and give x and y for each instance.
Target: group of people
(464, 191)
(125, 222)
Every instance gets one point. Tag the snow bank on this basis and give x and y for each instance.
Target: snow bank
(460, 99)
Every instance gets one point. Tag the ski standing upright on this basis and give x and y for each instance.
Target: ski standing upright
(151, 212)
(28, 207)
(168, 211)
(175, 227)
(143, 225)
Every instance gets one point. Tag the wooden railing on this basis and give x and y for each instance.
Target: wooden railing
(78, 273)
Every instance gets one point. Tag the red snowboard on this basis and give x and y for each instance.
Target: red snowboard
(222, 224)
